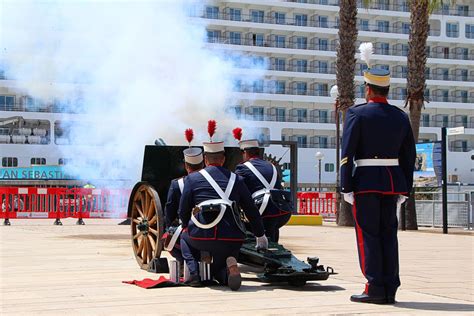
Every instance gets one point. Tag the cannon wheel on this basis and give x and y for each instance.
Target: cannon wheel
(146, 224)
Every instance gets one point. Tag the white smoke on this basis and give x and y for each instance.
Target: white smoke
(139, 70)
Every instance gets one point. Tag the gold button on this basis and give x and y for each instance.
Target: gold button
(376, 157)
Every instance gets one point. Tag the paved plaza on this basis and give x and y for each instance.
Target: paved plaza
(70, 269)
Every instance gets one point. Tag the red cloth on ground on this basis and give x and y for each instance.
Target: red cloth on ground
(153, 284)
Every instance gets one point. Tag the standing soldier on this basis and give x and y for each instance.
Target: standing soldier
(193, 162)
(208, 212)
(261, 177)
(378, 157)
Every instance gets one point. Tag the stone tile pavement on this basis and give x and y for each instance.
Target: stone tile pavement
(77, 270)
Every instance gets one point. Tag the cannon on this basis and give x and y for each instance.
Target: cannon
(161, 164)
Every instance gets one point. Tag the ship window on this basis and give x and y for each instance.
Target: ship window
(64, 161)
(6, 102)
(329, 167)
(9, 162)
(38, 161)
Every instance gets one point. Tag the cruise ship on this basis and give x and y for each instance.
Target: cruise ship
(296, 43)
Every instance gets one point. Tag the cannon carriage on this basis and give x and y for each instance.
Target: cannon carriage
(161, 164)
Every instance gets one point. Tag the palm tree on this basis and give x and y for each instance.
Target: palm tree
(420, 11)
(345, 71)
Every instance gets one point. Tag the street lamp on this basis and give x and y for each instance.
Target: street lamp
(334, 92)
(319, 157)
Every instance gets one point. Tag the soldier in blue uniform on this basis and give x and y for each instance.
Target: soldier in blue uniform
(260, 177)
(212, 224)
(193, 162)
(378, 157)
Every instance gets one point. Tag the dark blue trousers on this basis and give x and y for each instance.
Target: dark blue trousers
(375, 215)
(272, 226)
(220, 250)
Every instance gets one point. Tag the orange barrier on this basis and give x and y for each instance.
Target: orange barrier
(316, 203)
(57, 203)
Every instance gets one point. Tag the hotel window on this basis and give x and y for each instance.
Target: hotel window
(322, 21)
(323, 44)
(301, 19)
(469, 30)
(464, 74)
(301, 42)
(463, 96)
(323, 116)
(238, 85)
(364, 24)
(280, 64)
(445, 94)
(302, 65)
(9, 162)
(302, 141)
(452, 29)
(322, 142)
(280, 114)
(463, 53)
(383, 26)
(321, 89)
(323, 67)
(258, 39)
(257, 113)
(384, 48)
(406, 28)
(235, 38)
(445, 73)
(425, 120)
(212, 12)
(301, 115)
(258, 86)
(279, 18)
(237, 111)
(280, 41)
(329, 167)
(213, 36)
(280, 86)
(257, 16)
(404, 49)
(38, 161)
(301, 88)
(463, 10)
(235, 14)
(7, 102)
(258, 61)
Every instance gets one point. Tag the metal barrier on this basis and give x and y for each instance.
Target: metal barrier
(429, 209)
(58, 203)
(316, 203)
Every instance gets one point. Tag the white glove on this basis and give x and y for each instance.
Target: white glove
(262, 243)
(349, 197)
(401, 200)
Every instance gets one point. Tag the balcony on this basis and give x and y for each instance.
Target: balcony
(49, 108)
(287, 118)
(291, 21)
(450, 123)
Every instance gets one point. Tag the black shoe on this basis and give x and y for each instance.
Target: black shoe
(234, 279)
(194, 281)
(365, 298)
(6, 222)
(391, 299)
(80, 222)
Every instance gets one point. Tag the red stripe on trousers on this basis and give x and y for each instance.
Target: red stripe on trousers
(360, 240)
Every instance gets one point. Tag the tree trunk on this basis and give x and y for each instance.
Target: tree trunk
(419, 16)
(345, 69)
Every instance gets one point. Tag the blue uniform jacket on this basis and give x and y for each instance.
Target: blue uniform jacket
(253, 184)
(197, 190)
(172, 203)
(377, 130)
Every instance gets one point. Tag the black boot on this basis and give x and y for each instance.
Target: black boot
(80, 222)
(58, 222)
(194, 281)
(6, 222)
(366, 298)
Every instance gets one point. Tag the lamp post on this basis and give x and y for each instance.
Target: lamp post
(319, 157)
(334, 92)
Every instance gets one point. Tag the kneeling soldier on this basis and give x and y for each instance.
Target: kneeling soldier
(193, 162)
(208, 212)
(261, 177)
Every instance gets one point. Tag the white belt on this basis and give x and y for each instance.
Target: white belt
(376, 162)
(223, 204)
(266, 199)
(174, 239)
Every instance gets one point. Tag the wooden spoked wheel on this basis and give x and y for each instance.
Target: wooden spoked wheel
(146, 225)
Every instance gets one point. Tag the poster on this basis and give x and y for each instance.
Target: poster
(428, 165)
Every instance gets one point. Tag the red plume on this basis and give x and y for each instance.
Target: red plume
(211, 128)
(189, 134)
(237, 133)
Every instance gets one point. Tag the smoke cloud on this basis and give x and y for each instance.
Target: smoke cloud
(136, 70)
